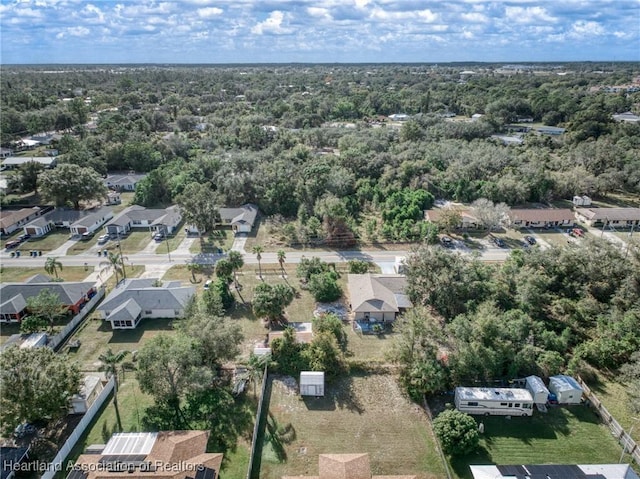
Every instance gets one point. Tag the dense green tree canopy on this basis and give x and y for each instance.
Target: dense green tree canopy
(71, 184)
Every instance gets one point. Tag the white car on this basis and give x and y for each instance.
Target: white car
(103, 239)
(207, 283)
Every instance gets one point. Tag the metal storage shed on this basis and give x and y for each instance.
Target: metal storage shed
(312, 383)
(566, 389)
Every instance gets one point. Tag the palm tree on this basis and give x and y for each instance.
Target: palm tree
(236, 262)
(115, 261)
(194, 268)
(110, 361)
(52, 266)
(258, 250)
(281, 257)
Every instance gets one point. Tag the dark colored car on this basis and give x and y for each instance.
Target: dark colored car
(12, 244)
(530, 239)
(24, 237)
(499, 242)
(446, 242)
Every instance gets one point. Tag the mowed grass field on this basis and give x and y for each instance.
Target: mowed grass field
(362, 413)
(564, 435)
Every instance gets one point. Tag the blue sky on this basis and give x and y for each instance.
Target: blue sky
(261, 31)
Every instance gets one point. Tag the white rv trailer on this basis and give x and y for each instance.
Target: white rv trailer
(494, 401)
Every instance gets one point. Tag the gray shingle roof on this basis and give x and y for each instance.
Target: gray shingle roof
(245, 214)
(148, 297)
(378, 292)
(68, 292)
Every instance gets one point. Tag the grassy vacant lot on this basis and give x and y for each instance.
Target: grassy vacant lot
(564, 435)
(359, 414)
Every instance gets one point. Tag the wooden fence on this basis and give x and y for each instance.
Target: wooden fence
(626, 441)
(57, 464)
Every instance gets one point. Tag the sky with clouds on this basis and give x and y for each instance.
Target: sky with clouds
(327, 31)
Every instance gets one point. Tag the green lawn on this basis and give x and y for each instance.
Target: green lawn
(553, 237)
(359, 414)
(96, 336)
(133, 243)
(46, 243)
(173, 242)
(222, 238)
(564, 435)
(19, 273)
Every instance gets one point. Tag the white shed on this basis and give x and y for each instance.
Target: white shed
(312, 383)
(538, 390)
(566, 389)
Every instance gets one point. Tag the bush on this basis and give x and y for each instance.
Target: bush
(324, 287)
(358, 266)
(457, 432)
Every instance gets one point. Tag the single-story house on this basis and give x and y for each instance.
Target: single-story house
(378, 297)
(541, 217)
(39, 227)
(135, 299)
(619, 217)
(13, 162)
(159, 220)
(123, 181)
(73, 295)
(92, 222)
(554, 471)
(550, 130)
(346, 466)
(11, 221)
(240, 219)
(78, 221)
(161, 455)
(469, 222)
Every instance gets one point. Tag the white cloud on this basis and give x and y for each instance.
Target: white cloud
(475, 17)
(210, 12)
(527, 15)
(273, 24)
(423, 15)
(583, 28)
(73, 32)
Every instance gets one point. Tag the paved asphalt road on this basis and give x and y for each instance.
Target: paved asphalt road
(293, 257)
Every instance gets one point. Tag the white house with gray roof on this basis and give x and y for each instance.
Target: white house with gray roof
(78, 221)
(135, 299)
(123, 181)
(240, 219)
(13, 162)
(156, 220)
(378, 297)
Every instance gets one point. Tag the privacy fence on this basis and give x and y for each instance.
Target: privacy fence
(58, 463)
(256, 441)
(58, 340)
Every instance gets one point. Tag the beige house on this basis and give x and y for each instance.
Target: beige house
(617, 217)
(346, 466)
(541, 217)
(468, 221)
(378, 297)
(158, 455)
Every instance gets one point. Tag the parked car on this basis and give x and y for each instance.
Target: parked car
(24, 237)
(12, 244)
(86, 236)
(158, 236)
(25, 429)
(499, 242)
(578, 232)
(530, 239)
(207, 283)
(103, 239)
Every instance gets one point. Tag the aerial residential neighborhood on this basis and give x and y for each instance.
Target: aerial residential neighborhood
(324, 240)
